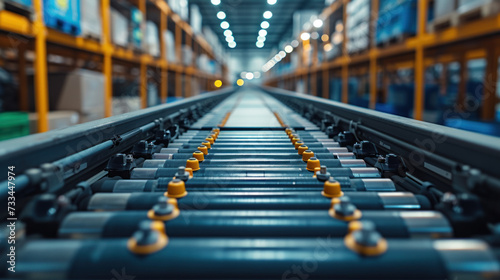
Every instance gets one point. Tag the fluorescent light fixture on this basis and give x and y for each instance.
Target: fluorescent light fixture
(304, 36)
(224, 25)
(249, 76)
(267, 14)
(262, 32)
(215, 2)
(288, 49)
(264, 25)
(317, 23)
(221, 15)
(228, 33)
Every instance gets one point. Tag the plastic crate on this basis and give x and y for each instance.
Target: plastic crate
(63, 15)
(400, 20)
(14, 124)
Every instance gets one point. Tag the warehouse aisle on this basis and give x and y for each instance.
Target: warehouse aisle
(252, 110)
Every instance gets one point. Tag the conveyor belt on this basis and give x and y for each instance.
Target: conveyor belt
(248, 190)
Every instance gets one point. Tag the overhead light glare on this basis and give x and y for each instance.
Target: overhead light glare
(264, 25)
(305, 36)
(295, 43)
(317, 23)
(221, 15)
(228, 32)
(262, 32)
(249, 76)
(259, 44)
(261, 38)
(282, 54)
(224, 25)
(215, 2)
(271, 2)
(232, 44)
(267, 14)
(288, 49)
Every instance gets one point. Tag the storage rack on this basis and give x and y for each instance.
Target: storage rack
(474, 39)
(30, 34)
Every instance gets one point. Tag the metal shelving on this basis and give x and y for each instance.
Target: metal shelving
(21, 33)
(473, 39)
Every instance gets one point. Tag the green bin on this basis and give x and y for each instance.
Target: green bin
(13, 124)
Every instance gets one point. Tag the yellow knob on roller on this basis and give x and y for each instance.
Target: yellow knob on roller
(292, 134)
(354, 225)
(207, 143)
(193, 163)
(203, 149)
(332, 189)
(307, 154)
(149, 238)
(288, 130)
(213, 135)
(312, 164)
(295, 139)
(176, 189)
(302, 149)
(190, 171)
(298, 144)
(210, 139)
(199, 156)
(365, 240)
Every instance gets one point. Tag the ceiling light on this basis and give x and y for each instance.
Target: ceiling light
(228, 32)
(261, 38)
(304, 36)
(325, 38)
(264, 25)
(271, 2)
(282, 54)
(229, 39)
(256, 75)
(328, 47)
(224, 25)
(295, 43)
(317, 23)
(232, 44)
(267, 14)
(277, 57)
(215, 2)
(259, 44)
(288, 49)
(314, 35)
(249, 76)
(221, 15)
(243, 74)
(262, 32)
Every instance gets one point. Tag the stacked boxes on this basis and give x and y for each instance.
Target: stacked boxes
(81, 91)
(358, 25)
(397, 19)
(196, 19)
(152, 40)
(137, 28)
(169, 42)
(63, 15)
(119, 28)
(91, 23)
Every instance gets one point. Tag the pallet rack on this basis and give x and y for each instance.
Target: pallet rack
(19, 32)
(471, 40)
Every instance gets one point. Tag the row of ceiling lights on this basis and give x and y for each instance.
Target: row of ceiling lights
(317, 23)
(225, 25)
(261, 38)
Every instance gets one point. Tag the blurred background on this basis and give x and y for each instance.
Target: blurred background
(64, 62)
